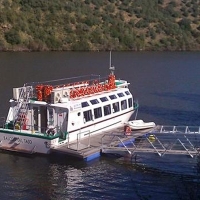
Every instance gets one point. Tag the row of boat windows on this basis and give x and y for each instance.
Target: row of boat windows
(104, 99)
(107, 109)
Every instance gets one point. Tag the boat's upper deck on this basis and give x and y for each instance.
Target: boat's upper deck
(69, 88)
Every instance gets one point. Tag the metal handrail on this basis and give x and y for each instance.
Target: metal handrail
(124, 146)
(78, 139)
(114, 144)
(170, 140)
(180, 129)
(90, 77)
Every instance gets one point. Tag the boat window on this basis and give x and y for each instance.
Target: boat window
(123, 104)
(130, 102)
(94, 101)
(103, 99)
(107, 110)
(112, 97)
(97, 113)
(43, 117)
(120, 94)
(115, 107)
(50, 121)
(127, 93)
(84, 104)
(35, 118)
(87, 115)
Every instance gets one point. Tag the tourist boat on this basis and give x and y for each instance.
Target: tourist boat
(45, 115)
(140, 124)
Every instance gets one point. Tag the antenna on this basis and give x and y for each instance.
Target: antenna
(110, 59)
(111, 67)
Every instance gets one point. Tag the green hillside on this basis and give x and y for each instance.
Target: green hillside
(42, 25)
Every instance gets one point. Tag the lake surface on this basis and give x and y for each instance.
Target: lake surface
(166, 85)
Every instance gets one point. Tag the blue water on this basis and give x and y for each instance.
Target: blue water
(167, 87)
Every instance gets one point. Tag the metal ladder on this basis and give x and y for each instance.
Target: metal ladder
(21, 109)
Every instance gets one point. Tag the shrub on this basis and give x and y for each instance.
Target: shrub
(185, 24)
(13, 37)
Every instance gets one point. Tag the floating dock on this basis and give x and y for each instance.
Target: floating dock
(174, 140)
(91, 147)
(160, 140)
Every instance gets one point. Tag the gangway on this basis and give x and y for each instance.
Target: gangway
(162, 140)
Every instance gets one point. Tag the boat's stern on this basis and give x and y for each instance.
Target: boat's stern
(22, 141)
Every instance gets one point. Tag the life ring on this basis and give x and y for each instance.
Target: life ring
(92, 90)
(24, 127)
(84, 91)
(80, 91)
(88, 91)
(71, 93)
(50, 131)
(98, 88)
(75, 94)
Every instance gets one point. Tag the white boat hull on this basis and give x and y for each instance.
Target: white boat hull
(26, 143)
(140, 124)
(34, 143)
(106, 125)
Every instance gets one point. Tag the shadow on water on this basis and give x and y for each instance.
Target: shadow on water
(63, 160)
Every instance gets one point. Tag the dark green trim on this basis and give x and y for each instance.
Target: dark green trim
(13, 132)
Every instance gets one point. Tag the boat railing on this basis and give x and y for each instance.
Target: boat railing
(81, 143)
(32, 129)
(178, 129)
(64, 81)
(179, 140)
(42, 90)
(121, 83)
(116, 143)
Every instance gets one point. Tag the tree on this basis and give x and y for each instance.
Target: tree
(13, 37)
(185, 24)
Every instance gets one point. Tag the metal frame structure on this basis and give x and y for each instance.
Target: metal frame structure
(161, 140)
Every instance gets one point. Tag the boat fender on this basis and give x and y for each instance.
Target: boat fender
(128, 130)
(152, 138)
